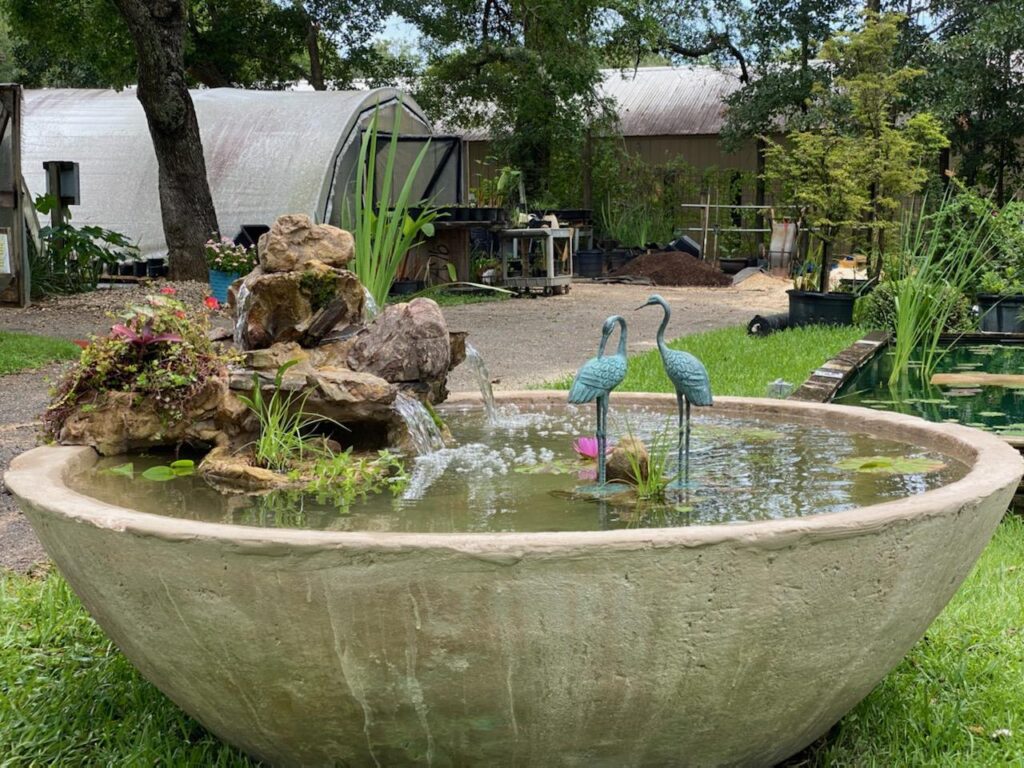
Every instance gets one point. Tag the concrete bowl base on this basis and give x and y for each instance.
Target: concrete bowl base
(718, 645)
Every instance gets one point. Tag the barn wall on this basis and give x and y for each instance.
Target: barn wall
(702, 152)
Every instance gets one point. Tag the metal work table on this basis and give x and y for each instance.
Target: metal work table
(553, 258)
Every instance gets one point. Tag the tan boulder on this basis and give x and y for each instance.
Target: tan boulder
(118, 422)
(405, 343)
(296, 306)
(295, 240)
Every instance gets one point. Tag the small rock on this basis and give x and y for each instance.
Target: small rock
(620, 467)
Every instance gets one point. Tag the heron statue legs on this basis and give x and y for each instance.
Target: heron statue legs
(602, 439)
(683, 446)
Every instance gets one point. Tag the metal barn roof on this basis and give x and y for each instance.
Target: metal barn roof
(267, 152)
(663, 101)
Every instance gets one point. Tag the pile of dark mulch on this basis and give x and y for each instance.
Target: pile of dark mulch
(673, 268)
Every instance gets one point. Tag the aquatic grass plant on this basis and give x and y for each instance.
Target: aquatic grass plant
(651, 478)
(384, 229)
(283, 421)
(942, 258)
(26, 352)
(740, 364)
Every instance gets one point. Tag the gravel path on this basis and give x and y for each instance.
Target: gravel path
(523, 341)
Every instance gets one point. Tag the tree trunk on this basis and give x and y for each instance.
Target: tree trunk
(587, 162)
(316, 69)
(157, 28)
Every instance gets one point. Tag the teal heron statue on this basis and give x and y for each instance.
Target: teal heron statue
(595, 380)
(690, 378)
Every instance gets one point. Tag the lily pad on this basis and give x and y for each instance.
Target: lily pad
(990, 414)
(159, 474)
(891, 465)
(183, 467)
(123, 470)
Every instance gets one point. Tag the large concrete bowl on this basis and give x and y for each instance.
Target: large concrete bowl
(716, 645)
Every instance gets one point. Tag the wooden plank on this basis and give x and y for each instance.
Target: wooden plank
(978, 380)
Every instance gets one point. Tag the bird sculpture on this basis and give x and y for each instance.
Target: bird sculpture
(595, 380)
(690, 378)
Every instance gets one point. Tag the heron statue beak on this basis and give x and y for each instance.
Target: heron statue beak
(645, 304)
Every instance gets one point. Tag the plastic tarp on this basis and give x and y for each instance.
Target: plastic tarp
(267, 152)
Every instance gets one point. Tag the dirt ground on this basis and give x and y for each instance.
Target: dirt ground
(523, 341)
(674, 268)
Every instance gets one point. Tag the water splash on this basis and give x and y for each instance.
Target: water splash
(423, 431)
(242, 301)
(370, 308)
(483, 380)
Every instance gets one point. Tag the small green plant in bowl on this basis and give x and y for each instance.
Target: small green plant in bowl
(284, 423)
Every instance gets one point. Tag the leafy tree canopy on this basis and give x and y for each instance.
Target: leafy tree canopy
(245, 43)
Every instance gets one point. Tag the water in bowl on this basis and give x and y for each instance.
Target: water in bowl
(521, 475)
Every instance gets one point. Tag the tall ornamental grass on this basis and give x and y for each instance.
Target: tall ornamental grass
(943, 257)
(384, 232)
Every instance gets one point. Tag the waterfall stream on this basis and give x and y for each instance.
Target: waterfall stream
(483, 380)
(423, 431)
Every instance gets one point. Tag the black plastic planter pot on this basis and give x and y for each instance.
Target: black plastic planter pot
(405, 287)
(126, 268)
(1001, 314)
(813, 308)
(589, 263)
(139, 268)
(732, 266)
(154, 266)
(618, 258)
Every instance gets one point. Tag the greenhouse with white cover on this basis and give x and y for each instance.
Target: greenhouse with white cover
(267, 153)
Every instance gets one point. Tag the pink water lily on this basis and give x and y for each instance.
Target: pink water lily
(587, 447)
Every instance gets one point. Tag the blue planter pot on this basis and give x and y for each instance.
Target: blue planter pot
(219, 282)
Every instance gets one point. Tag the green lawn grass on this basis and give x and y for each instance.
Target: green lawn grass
(739, 364)
(68, 697)
(23, 352)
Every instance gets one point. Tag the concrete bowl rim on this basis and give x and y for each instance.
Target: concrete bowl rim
(38, 478)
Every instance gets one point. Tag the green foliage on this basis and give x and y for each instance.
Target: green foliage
(740, 364)
(497, 191)
(72, 258)
(71, 698)
(855, 162)
(160, 351)
(384, 233)
(341, 478)
(977, 87)
(320, 287)
(935, 270)
(877, 310)
(284, 425)
(24, 352)
(525, 72)
(651, 481)
(889, 465)
(242, 43)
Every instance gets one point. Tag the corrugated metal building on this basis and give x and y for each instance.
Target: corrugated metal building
(664, 113)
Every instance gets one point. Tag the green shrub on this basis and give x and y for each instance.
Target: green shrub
(877, 310)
